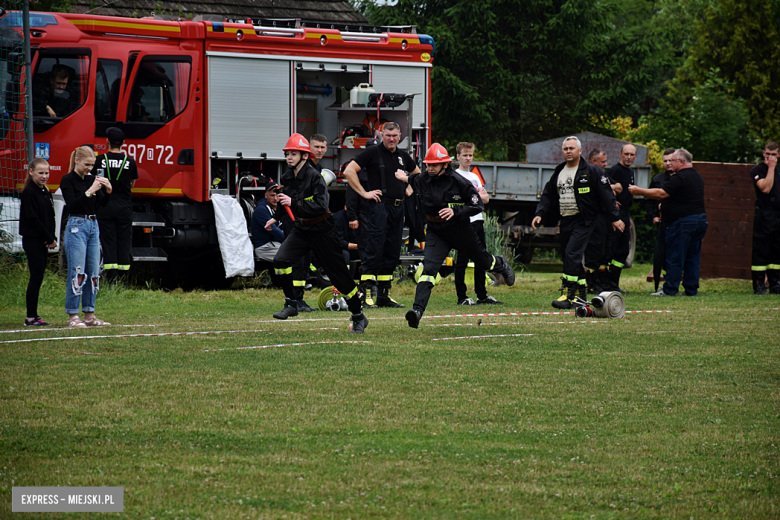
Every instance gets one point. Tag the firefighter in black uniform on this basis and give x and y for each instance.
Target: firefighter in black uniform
(766, 222)
(385, 211)
(621, 242)
(448, 201)
(116, 219)
(306, 197)
(577, 191)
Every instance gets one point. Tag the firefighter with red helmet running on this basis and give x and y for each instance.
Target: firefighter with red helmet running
(448, 201)
(305, 196)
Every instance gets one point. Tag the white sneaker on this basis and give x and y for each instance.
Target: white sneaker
(659, 293)
(466, 301)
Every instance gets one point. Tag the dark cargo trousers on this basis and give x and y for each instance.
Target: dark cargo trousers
(437, 246)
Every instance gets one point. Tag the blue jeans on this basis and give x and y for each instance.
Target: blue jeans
(82, 248)
(683, 253)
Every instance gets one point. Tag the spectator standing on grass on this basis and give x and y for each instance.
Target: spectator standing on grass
(84, 194)
(464, 153)
(116, 218)
(621, 240)
(653, 211)
(686, 223)
(598, 252)
(577, 191)
(766, 223)
(384, 195)
(36, 225)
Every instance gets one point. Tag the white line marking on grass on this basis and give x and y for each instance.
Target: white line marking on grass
(47, 329)
(488, 336)
(134, 335)
(287, 345)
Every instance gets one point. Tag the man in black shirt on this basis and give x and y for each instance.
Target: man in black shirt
(686, 223)
(598, 252)
(116, 219)
(448, 200)
(385, 212)
(766, 222)
(621, 240)
(653, 211)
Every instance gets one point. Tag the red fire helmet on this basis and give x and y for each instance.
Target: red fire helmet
(298, 143)
(437, 154)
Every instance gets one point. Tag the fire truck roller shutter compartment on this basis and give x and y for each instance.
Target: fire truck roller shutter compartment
(249, 106)
(404, 80)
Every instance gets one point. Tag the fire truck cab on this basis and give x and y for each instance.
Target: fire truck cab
(206, 107)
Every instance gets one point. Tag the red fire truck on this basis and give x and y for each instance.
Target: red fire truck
(207, 106)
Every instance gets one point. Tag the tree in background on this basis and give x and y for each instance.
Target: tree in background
(522, 71)
(705, 120)
(739, 42)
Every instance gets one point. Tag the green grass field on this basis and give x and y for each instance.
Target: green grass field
(659, 415)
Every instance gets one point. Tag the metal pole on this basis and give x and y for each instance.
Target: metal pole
(28, 83)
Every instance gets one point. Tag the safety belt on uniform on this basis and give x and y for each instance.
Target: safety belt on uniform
(121, 168)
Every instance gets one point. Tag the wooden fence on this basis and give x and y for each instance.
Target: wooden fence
(729, 199)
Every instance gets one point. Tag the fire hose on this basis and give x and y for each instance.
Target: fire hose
(606, 305)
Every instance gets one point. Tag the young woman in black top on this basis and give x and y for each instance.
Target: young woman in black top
(36, 225)
(83, 194)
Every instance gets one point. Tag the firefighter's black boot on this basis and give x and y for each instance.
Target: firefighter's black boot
(582, 291)
(603, 280)
(568, 292)
(384, 299)
(413, 317)
(359, 323)
(590, 281)
(369, 291)
(290, 309)
(758, 282)
(505, 270)
(773, 278)
(614, 279)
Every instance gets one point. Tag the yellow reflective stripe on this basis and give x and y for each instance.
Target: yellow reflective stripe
(384, 277)
(616, 264)
(122, 267)
(426, 278)
(758, 268)
(352, 293)
(773, 266)
(312, 268)
(286, 270)
(581, 281)
(570, 278)
(299, 283)
(493, 264)
(603, 267)
(367, 277)
(310, 199)
(109, 266)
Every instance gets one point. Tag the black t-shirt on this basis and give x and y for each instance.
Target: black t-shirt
(624, 176)
(368, 160)
(121, 170)
(686, 195)
(766, 200)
